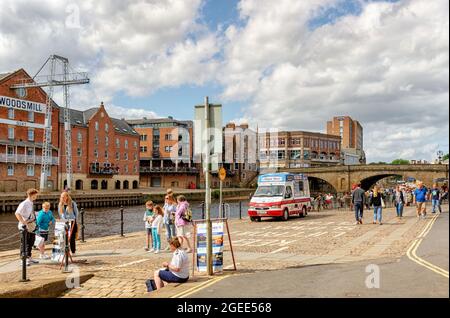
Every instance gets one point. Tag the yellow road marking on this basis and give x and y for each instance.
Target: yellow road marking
(199, 287)
(411, 253)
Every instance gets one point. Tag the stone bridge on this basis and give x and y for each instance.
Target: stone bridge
(343, 177)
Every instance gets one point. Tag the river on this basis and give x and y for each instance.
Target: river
(106, 221)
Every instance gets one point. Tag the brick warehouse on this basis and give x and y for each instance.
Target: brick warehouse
(105, 151)
(21, 136)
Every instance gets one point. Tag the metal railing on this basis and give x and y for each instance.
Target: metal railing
(168, 169)
(26, 159)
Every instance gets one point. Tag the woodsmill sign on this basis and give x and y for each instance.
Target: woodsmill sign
(21, 104)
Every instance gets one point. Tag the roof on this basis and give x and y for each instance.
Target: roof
(81, 118)
(3, 75)
(145, 121)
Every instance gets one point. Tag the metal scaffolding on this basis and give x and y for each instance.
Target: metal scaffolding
(64, 79)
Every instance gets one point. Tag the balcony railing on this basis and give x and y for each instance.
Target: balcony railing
(25, 159)
(102, 170)
(169, 170)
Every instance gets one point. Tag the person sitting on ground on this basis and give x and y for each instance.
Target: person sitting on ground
(44, 219)
(177, 271)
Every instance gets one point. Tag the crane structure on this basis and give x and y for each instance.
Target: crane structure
(60, 75)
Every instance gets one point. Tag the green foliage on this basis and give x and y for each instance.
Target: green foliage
(400, 162)
(215, 194)
(445, 157)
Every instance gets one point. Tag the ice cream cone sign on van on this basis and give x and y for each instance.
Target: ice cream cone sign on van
(280, 195)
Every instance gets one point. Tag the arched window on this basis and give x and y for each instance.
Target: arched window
(126, 184)
(94, 185)
(79, 185)
(135, 184)
(104, 185)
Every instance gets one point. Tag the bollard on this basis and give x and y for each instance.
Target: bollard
(121, 220)
(203, 210)
(82, 225)
(240, 210)
(24, 233)
(66, 248)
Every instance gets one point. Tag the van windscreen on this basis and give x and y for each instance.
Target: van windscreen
(269, 191)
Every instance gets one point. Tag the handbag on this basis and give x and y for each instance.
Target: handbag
(151, 286)
(31, 227)
(383, 205)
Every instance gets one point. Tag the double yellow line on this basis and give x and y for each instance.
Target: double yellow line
(411, 253)
(199, 287)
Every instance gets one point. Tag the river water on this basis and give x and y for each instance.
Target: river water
(106, 221)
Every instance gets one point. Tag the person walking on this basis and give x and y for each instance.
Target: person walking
(68, 211)
(436, 196)
(420, 199)
(358, 199)
(148, 219)
(170, 208)
(377, 202)
(399, 201)
(27, 220)
(180, 223)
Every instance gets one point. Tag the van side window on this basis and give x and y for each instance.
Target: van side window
(299, 188)
(288, 193)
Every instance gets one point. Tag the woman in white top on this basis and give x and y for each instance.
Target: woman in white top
(177, 271)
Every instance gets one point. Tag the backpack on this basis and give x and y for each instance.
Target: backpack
(187, 216)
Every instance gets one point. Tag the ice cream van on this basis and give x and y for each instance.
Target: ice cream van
(280, 195)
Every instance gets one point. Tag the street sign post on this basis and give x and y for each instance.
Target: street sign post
(222, 176)
(208, 143)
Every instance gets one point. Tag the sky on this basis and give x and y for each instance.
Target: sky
(285, 64)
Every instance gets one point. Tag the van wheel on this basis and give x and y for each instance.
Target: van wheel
(285, 216)
(304, 212)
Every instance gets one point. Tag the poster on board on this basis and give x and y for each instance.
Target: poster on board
(217, 246)
(58, 242)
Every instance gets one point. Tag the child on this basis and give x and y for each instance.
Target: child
(148, 219)
(156, 228)
(44, 219)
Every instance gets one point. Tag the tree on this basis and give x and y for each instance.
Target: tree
(400, 162)
(445, 157)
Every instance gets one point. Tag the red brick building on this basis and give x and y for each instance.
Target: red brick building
(22, 115)
(105, 151)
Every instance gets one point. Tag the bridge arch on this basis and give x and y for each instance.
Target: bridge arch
(321, 185)
(370, 181)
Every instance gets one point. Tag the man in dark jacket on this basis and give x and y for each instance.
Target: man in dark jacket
(358, 198)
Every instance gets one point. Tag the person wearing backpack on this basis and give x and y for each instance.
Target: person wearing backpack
(183, 217)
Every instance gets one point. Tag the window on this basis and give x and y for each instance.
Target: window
(106, 154)
(168, 149)
(135, 169)
(80, 137)
(79, 165)
(10, 132)
(96, 126)
(30, 134)
(30, 170)
(126, 144)
(96, 140)
(31, 117)
(117, 142)
(288, 193)
(125, 156)
(79, 152)
(236, 166)
(10, 113)
(168, 137)
(135, 144)
(106, 127)
(117, 155)
(30, 152)
(49, 171)
(143, 137)
(96, 153)
(126, 169)
(106, 141)
(135, 156)
(10, 150)
(10, 169)
(143, 148)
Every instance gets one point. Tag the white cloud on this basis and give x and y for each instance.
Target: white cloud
(387, 67)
